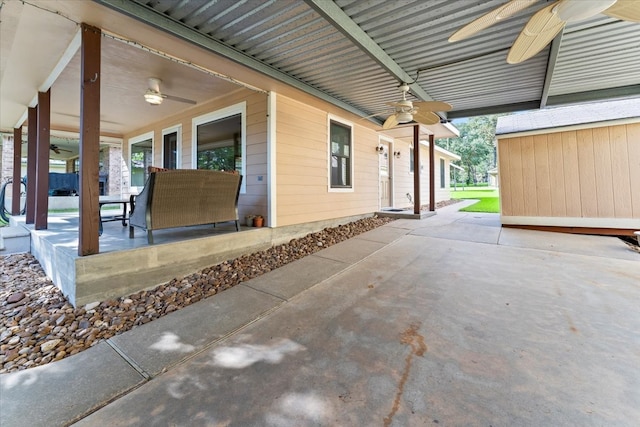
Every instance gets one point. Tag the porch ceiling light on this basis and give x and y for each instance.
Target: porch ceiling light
(404, 117)
(152, 97)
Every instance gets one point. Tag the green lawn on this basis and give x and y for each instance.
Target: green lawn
(489, 199)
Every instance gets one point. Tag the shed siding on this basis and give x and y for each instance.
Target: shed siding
(633, 147)
(584, 174)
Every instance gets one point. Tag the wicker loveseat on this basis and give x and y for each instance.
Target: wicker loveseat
(183, 197)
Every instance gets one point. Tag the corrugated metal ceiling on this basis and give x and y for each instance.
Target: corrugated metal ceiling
(596, 59)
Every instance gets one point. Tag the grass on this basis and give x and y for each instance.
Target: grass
(489, 199)
(72, 210)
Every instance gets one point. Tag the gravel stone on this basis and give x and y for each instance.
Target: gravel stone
(38, 325)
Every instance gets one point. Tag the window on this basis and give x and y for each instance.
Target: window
(341, 158)
(220, 141)
(140, 158)
(171, 147)
(219, 145)
(411, 159)
(442, 183)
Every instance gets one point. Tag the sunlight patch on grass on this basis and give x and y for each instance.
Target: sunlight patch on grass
(488, 204)
(489, 199)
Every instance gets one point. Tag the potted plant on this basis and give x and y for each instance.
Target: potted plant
(258, 221)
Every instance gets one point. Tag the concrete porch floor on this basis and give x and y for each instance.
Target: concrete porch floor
(450, 320)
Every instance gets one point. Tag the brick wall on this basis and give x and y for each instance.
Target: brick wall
(6, 158)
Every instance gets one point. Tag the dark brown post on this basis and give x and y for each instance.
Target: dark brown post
(42, 159)
(432, 173)
(88, 242)
(32, 140)
(17, 156)
(416, 169)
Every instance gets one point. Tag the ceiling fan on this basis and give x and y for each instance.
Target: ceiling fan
(54, 148)
(57, 150)
(405, 110)
(154, 97)
(545, 24)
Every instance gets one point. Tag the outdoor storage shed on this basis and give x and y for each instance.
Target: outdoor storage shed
(574, 168)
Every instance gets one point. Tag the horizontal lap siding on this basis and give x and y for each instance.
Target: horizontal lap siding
(588, 173)
(403, 178)
(254, 201)
(303, 167)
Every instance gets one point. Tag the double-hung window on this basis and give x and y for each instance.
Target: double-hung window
(341, 155)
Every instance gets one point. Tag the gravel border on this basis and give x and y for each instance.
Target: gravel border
(38, 325)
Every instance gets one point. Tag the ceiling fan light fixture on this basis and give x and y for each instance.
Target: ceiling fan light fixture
(404, 117)
(153, 98)
(576, 10)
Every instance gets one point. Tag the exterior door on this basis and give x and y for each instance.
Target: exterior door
(385, 176)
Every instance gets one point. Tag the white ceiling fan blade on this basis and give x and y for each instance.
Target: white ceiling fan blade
(379, 113)
(627, 10)
(177, 98)
(432, 106)
(426, 117)
(539, 31)
(487, 20)
(391, 121)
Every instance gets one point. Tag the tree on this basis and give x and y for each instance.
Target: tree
(476, 146)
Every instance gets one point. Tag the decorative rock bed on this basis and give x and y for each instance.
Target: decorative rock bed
(38, 325)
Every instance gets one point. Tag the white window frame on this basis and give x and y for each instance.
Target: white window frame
(178, 130)
(232, 110)
(351, 189)
(149, 135)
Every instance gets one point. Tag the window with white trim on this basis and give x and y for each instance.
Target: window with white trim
(341, 155)
(220, 140)
(171, 145)
(140, 158)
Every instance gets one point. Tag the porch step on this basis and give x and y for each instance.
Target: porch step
(14, 240)
(404, 214)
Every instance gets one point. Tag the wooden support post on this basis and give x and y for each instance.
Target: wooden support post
(17, 157)
(32, 140)
(88, 242)
(432, 173)
(42, 159)
(416, 169)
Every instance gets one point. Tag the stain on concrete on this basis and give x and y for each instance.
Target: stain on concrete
(412, 338)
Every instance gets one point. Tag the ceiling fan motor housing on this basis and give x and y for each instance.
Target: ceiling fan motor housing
(404, 117)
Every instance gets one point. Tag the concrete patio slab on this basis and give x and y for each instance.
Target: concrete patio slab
(350, 251)
(420, 331)
(480, 218)
(160, 344)
(384, 234)
(605, 246)
(61, 392)
(470, 232)
(425, 331)
(291, 279)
